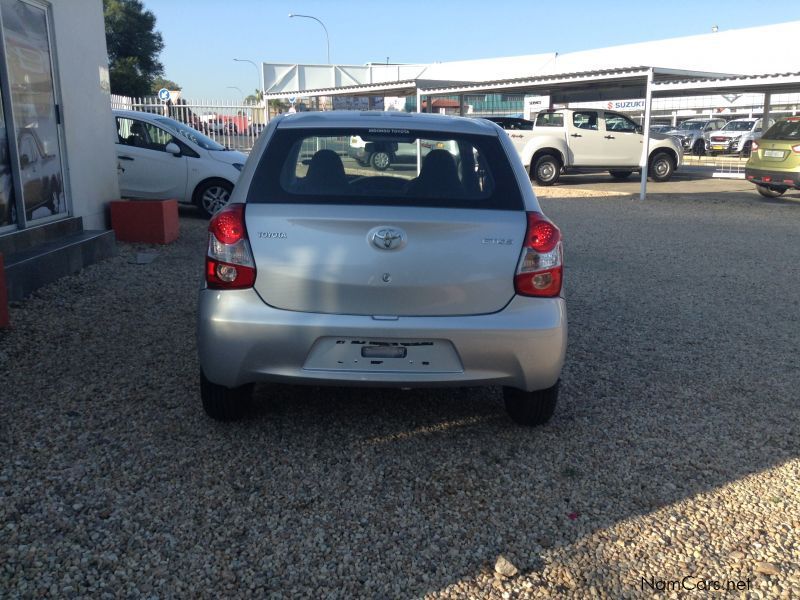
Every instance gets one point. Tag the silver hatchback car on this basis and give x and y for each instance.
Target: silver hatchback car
(443, 272)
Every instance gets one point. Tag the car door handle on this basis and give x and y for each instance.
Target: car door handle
(125, 158)
(576, 135)
(610, 137)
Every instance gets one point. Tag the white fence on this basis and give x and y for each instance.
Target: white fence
(235, 125)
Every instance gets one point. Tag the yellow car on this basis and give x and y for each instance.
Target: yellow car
(774, 164)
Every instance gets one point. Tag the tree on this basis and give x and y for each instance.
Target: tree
(161, 82)
(133, 47)
(255, 98)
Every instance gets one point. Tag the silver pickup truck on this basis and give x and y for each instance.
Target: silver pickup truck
(566, 139)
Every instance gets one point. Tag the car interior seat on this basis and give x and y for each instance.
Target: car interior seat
(138, 136)
(325, 174)
(438, 176)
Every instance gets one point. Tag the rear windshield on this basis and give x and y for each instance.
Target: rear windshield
(395, 167)
(784, 130)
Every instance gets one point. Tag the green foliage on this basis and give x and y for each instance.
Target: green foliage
(161, 82)
(254, 98)
(133, 47)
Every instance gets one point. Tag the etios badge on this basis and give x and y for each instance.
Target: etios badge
(387, 238)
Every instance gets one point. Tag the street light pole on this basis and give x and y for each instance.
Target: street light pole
(233, 87)
(259, 71)
(327, 37)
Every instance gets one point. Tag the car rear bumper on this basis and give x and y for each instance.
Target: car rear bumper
(243, 340)
(782, 179)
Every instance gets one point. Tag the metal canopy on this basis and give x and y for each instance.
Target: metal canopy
(777, 83)
(407, 87)
(586, 86)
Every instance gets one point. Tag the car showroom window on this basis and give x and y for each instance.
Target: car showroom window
(27, 149)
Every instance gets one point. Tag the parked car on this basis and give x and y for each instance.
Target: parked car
(511, 123)
(692, 133)
(567, 139)
(318, 273)
(381, 155)
(774, 163)
(661, 128)
(159, 157)
(736, 137)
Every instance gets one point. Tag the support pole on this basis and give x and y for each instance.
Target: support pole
(419, 144)
(648, 101)
(461, 105)
(765, 114)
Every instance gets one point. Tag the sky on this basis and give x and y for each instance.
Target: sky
(202, 37)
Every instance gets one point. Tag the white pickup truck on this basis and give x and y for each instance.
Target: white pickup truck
(566, 139)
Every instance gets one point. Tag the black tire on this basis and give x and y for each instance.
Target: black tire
(662, 166)
(699, 148)
(747, 149)
(212, 195)
(546, 169)
(769, 192)
(620, 174)
(531, 408)
(380, 161)
(222, 403)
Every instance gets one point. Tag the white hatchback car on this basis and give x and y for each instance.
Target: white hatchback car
(159, 157)
(321, 271)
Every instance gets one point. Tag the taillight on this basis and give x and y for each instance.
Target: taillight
(754, 147)
(796, 148)
(229, 261)
(540, 264)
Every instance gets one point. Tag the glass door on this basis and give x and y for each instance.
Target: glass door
(36, 140)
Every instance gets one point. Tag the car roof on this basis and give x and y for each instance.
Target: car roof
(387, 120)
(138, 114)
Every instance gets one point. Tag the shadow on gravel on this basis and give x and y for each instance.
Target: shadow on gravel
(681, 378)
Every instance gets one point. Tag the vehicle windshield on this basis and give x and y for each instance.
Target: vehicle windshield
(738, 126)
(784, 130)
(385, 167)
(191, 134)
(692, 125)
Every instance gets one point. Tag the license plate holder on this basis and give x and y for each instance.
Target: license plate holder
(773, 153)
(384, 351)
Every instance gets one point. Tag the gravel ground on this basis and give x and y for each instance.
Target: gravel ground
(673, 452)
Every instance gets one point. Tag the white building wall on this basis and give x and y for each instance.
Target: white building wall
(89, 132)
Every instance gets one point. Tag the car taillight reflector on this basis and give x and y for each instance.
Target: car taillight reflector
(229, 260)
(539, 272)
(228, 225)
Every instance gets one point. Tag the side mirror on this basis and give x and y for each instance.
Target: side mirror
(173, 148)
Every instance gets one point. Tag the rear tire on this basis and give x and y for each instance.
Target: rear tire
(769, 192)
(531, 408)
(222, 403)
(546, 169)
(212, 196)
(699, 148)
(662, 166)
(380, 160)
(620, 174)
